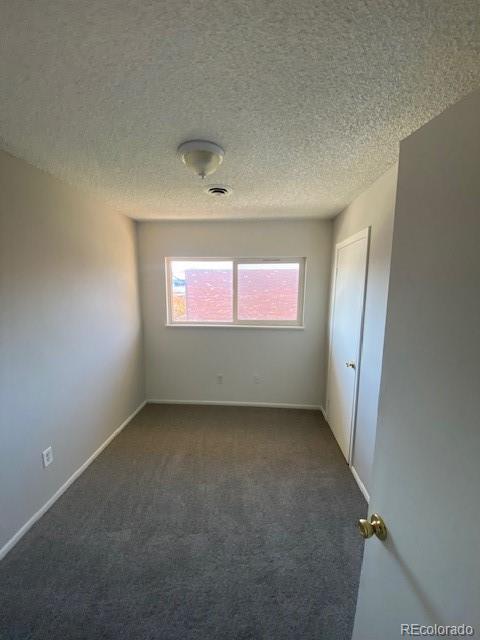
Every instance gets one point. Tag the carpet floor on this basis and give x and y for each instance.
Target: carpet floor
(196, 523)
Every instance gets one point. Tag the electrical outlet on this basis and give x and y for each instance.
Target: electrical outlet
(47, 457)
(219, 378)
(256, 378)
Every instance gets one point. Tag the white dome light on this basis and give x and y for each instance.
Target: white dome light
(202, 157)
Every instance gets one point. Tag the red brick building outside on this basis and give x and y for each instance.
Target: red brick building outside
(208, 295)
(263, 294)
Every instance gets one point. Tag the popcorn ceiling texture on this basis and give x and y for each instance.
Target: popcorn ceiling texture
(309, 98)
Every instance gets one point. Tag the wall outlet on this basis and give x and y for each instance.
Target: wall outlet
(256, 378)
(47, 457)
(219, 378)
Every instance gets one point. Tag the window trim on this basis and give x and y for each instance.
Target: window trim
(299, 323)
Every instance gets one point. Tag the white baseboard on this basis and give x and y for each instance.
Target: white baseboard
(361, 486)
(233, 403)
(23, 530)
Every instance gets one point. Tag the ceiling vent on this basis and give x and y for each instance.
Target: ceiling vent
(219, 190)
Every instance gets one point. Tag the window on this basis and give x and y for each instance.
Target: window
(235, 291)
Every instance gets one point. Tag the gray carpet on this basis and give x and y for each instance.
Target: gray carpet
(196, 523)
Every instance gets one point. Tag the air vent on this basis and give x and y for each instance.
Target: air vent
(219, 190)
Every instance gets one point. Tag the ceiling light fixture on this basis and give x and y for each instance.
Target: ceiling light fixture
(201, 156)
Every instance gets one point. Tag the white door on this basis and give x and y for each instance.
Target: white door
(426, 472)
(348, 295)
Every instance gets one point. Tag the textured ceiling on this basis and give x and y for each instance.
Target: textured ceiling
(309, 98)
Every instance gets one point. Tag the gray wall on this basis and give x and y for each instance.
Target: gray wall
(70, 333)
(426, 474)
(182, 362)
(373, 208)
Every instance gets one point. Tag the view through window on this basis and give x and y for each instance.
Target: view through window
(263, 291)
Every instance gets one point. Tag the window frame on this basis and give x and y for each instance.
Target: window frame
(245, 324)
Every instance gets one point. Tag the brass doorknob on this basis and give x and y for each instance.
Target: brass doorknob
(376, 526)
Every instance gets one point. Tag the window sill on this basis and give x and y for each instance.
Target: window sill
(295, 327)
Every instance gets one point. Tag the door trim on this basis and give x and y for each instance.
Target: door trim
(364, 234)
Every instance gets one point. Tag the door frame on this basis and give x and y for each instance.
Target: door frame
(363, 234)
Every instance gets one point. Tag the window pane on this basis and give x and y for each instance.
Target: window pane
(268, 291)
(202, 291)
